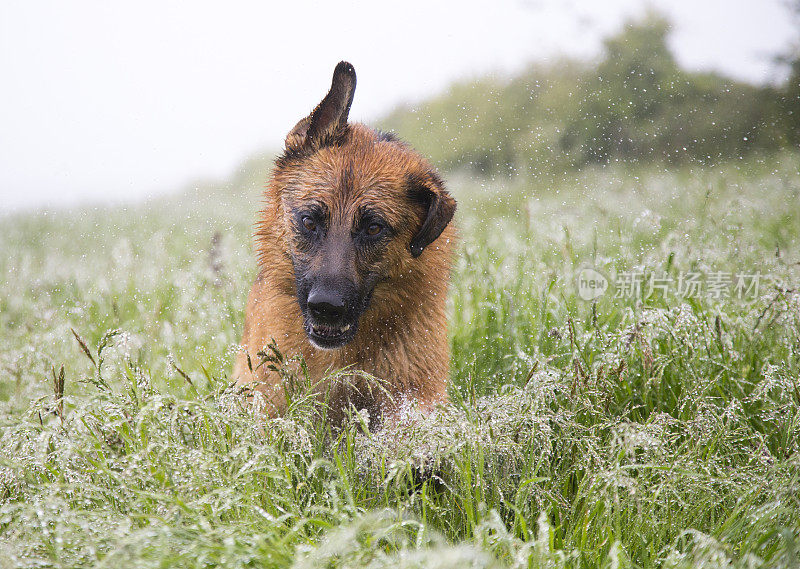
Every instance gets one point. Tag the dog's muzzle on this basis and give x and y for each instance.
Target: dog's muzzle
(330, 319)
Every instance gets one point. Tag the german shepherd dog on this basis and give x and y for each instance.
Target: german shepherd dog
(355, 247)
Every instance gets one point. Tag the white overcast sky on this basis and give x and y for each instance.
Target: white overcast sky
(104, 100)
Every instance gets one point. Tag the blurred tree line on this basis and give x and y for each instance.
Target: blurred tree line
(636, 104)
(790, 99)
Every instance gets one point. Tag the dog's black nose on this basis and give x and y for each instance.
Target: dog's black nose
(326, 305)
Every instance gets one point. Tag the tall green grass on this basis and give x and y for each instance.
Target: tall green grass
(633, 432)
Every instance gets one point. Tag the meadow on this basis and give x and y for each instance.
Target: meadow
(655, 426)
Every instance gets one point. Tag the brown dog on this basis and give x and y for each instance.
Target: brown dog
(355, 247)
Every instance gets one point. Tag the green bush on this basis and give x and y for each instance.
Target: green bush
(635, 104)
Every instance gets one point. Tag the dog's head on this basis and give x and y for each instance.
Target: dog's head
(358, 209)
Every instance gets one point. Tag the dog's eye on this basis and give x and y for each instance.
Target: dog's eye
(309, 223)
(373, 229)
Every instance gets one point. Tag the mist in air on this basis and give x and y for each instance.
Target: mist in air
(106, 103)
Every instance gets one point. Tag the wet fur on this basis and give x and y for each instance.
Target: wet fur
(401, 336)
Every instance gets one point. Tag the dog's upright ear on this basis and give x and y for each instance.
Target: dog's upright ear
(329, 119)
(439, 207)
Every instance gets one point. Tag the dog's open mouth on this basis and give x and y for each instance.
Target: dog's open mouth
(329, 336)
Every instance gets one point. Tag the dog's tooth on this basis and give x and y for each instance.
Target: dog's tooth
(346, 328)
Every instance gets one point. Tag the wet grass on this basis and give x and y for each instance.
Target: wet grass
(642, 430)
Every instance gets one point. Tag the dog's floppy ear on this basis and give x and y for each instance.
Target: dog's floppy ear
(330, 117)
(439, 205)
